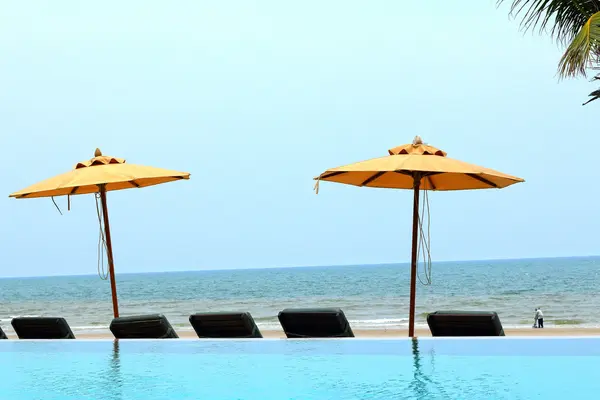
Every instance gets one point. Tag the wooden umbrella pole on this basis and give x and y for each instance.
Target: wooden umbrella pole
(111, 264)
(413, 260)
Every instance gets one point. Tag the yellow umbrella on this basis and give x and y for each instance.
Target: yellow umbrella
(101, 174)
(417, 166)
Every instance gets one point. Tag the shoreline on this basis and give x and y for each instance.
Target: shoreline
(377, 333)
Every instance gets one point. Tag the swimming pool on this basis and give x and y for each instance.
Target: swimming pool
(482, 368)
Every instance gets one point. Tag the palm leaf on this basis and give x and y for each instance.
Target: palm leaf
(565, 17)
(595, 95)
(584, 49)
(574, 23)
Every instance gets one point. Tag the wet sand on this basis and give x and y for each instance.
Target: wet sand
(389, 333)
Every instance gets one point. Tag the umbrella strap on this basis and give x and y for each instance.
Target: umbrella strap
(102, 271)
(56, 205)
(424, 248)
(68, 204)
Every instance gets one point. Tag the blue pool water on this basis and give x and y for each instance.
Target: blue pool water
(495, 368)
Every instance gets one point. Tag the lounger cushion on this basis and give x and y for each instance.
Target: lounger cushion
(315, 323)
(42, 328)
(225, 325)
(465, 323)
(153, 326)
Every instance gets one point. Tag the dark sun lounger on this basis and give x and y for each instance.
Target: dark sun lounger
(2, 334)
(153, 326)
(315, 323)
(225, 325)
(464, 323)
(42, 328)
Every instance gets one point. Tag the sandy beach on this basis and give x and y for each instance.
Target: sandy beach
(389, 333)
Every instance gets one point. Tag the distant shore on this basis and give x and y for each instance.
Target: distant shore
(387, 333)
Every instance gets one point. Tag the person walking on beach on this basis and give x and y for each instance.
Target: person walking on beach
(539, 317)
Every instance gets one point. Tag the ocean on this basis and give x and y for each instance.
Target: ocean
(372, 296)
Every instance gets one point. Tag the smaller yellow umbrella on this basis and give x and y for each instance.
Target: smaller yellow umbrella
(101, 174)
(416, 167)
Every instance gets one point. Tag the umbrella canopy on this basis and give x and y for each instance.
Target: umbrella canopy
(399, 169)
(417, 166)
(110, 172)
(101, 174)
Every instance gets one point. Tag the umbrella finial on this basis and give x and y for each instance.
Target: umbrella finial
(417, 140)
(97, 153)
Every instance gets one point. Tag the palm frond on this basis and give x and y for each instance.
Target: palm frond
(584, 50)
(595, 96)
(566, 17)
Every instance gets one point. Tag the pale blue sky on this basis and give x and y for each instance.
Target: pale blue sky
(254, 98)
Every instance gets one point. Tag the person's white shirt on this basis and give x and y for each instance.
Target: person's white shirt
(538, 314)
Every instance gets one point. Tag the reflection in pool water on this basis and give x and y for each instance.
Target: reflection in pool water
(495, 368)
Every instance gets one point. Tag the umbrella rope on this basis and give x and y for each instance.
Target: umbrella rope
(102, 271)
(424, 241)
(56, 205)
(68, 204)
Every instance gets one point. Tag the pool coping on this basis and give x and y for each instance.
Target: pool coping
(198, 340)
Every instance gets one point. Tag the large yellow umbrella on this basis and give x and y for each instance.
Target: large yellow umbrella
(99, 175)
(417, 166)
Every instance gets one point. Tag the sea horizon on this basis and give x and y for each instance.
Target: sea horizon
(374, 265)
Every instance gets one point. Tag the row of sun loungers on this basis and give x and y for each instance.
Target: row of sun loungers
(296, 323)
